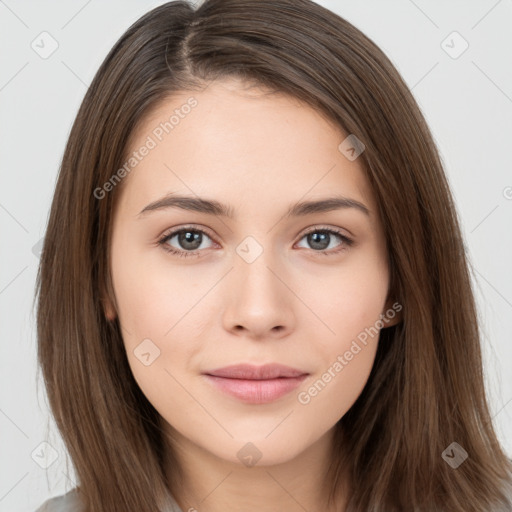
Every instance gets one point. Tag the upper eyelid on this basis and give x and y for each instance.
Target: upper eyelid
(168, 233)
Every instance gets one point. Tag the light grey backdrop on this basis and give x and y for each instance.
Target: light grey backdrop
(49, 54)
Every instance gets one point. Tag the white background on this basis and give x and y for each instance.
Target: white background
(467, 102)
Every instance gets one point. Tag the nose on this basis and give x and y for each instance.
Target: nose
(260, 302)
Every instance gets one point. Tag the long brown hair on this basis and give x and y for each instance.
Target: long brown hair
(426, 389)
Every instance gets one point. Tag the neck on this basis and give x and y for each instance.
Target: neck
(208, 483)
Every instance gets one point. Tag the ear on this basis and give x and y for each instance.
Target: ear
(392, 313)
(108, 309)
(109, 306)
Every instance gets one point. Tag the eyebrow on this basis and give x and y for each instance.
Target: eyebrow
(212, 207)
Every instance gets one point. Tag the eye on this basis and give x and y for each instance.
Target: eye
(320, 239)
(189, 241)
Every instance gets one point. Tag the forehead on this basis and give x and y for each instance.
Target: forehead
(238, 144)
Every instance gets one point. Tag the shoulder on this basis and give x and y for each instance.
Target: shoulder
(69, 502)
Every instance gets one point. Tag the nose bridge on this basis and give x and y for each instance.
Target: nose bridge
(253, 264)
(260, 301)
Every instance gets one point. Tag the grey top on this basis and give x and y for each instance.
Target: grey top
(70, 502)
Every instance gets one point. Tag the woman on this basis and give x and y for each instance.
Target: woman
(253, 292)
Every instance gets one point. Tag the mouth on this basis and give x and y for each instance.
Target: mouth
(256, 384)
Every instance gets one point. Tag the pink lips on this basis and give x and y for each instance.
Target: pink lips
(256, 384)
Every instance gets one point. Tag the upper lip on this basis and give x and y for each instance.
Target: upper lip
(252, 372)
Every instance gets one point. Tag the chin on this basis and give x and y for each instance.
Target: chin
(259, 450)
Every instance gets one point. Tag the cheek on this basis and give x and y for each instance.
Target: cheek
(158, 320)
(152, 315)
(350, 305)
(152, 297)
(327, 396)
(349, 300)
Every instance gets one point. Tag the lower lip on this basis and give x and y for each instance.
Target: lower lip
(256, 391)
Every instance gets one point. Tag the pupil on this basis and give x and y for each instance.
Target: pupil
(318, 240)
(190, 240)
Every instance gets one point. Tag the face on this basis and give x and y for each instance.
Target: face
(200, 287)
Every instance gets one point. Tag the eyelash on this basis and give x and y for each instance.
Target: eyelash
(347, 242)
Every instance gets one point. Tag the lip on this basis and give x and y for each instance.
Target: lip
(253, 372)
(256, 384)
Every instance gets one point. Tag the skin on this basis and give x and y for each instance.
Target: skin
(259, 153)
